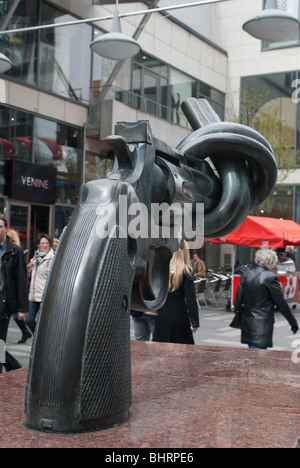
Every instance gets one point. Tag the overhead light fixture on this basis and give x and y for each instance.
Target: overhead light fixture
(271, 24)
(5, 63)
(115, 45)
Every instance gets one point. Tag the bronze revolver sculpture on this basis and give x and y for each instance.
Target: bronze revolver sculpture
(80, 371)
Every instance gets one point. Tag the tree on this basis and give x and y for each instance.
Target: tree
(261, 113)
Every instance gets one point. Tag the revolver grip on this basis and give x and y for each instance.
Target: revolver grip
(80, 371)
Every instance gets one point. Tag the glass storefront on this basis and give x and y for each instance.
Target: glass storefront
(15, 134)
(58, 145)
(30, 142)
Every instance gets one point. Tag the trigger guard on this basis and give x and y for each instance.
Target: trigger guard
(150, 294)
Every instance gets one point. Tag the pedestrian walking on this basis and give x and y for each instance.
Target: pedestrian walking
(38, 270)
(258, 293)
(178, 319)
(144, 324)
(13, 287)
(26, 333)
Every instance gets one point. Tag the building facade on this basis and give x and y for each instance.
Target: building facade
(60, 100)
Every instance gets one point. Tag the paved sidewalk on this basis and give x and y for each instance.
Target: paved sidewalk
(214, 331)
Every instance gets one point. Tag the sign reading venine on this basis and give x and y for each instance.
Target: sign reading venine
(32, 182)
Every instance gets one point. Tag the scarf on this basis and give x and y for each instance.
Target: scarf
(39, 256)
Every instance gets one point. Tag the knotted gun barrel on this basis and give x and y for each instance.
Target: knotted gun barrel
(80, 372)
(243, 159)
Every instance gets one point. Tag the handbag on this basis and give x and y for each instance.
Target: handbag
(237, 321)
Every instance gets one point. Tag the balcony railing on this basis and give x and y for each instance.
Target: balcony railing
(137, 101)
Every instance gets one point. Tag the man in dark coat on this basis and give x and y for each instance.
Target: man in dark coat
(13, 287)
(258, 292)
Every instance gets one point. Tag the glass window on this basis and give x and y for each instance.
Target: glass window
(121, 84)
(136, 95)
(215, 98)
(64, 61)
(159, 89)
(96, 167)
(21, 48)
(279, 204)
(267, 106)
(63, 215)
(276, 120)
(15, 134)
(58, 145)
(181, 88)
(150, 91)
(65, 56)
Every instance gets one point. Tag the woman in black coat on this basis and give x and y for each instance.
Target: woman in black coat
(178, 319)
(14, 289)
(258, 292)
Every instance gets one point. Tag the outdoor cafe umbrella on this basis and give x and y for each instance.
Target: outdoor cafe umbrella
(259, 231)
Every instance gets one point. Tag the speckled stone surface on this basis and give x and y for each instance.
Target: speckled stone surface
(183, 397)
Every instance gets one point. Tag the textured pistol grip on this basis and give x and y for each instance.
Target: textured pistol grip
(80, 371)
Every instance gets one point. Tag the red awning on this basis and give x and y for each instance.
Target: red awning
(263, 232)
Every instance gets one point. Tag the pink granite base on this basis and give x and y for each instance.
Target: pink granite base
(183, 397)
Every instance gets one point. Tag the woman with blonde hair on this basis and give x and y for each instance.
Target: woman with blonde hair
(14, 237)
(178, 319)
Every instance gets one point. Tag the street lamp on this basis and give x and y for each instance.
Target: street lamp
(115, 45)
(271, 24)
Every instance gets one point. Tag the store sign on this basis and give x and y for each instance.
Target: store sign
(32, 183)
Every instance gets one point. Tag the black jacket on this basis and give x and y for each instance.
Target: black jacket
(258, 292)
(13, 269)
(173, 324)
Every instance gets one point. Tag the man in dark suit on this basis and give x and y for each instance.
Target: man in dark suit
(13, 287)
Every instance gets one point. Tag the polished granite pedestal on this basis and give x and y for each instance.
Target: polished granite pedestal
(183, 397)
